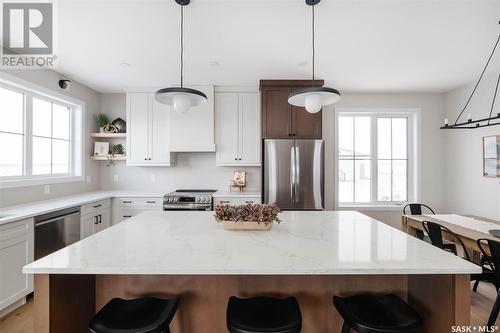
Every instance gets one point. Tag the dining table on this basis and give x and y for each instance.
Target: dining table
(469, 228)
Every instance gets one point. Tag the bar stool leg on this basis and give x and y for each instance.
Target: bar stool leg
(346, 328)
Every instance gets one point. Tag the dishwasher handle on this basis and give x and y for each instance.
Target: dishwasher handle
(60, 217)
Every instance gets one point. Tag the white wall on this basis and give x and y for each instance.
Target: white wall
(432, 146)
(192, 170)
(466, 190)
(49, 80)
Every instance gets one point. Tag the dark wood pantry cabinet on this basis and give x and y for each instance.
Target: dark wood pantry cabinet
(281, 120)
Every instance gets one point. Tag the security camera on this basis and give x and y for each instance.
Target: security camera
(64, 84)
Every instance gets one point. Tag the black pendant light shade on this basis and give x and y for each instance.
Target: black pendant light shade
(313, 98)
(181, 98)
(166, 95)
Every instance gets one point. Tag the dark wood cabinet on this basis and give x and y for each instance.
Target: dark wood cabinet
(281, 120)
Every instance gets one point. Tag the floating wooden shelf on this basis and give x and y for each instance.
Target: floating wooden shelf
(105, 158)
(108, 135)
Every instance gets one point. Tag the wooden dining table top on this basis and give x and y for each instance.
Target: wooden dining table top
(469, 236)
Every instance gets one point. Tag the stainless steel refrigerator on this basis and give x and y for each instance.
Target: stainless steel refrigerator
(293, 174)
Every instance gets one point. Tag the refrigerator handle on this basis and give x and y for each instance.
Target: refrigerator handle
(297, 173)
(292, 173)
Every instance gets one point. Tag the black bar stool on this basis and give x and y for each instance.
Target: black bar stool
(377, 314)
(145, 315)
(263, 315)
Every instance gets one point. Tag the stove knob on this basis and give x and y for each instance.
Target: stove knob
(198, 199)
(176, 199)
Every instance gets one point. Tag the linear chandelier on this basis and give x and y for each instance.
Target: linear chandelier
(491, 120)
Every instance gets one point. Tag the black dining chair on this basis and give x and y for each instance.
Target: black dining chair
(492, 259)
(417, 209)
(435, 232)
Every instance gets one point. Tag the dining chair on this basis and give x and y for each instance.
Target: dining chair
(493, 276)
(416, 209)
(435, 232)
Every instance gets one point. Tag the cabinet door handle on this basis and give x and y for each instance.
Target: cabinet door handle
(100, 218)
(97, 206)
(150, 201)
(145, 158)
(224, 201)
(126, 216)
(126, 201)
(95, 219)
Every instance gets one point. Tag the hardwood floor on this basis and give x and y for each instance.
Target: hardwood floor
(21, 319)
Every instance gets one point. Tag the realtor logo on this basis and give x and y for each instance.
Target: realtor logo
(27, 28)
(27, 38)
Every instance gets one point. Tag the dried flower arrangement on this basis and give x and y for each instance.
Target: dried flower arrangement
(247, 217)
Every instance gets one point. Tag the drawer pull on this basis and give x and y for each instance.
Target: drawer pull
(224, 201)
(97, 206)
(249, 202)
(126, 201)
(150, 201)
(126, 216)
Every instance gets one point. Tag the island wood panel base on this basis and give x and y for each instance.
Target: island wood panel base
(66, 303)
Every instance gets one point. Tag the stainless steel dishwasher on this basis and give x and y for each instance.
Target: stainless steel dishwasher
(56, 230)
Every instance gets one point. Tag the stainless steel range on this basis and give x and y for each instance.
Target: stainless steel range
(188, 200)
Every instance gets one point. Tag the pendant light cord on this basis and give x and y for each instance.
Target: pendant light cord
(313, 44)
(479, 81)
(182, 45)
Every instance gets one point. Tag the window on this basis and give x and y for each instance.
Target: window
(374, 155)
(40, 137)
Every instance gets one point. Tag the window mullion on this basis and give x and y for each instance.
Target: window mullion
(374, 159)
(28, 137)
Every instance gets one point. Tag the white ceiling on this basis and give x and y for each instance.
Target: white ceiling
(362, 46)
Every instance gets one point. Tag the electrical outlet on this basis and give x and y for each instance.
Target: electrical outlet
(46, 189)
(115, 178)
(89, 179)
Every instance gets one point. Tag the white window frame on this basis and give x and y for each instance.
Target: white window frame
(77, 147)
(413, 154)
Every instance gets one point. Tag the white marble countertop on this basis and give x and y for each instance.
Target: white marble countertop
(18, 212)
(237, 194)
(307, 243)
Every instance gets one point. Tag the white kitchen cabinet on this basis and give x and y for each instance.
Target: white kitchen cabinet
(238, 135)
(193, 130)
(16, 251)
(125, 208)
(147, 131)
(95, 217)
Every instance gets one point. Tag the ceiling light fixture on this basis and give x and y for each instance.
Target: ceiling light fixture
(314, 98)
(181, 98)
(483, 122)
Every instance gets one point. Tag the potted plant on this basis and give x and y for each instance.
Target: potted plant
(117, 150)
(102, 121)
(247, 217)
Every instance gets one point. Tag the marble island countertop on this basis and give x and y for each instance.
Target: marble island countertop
(305, 243)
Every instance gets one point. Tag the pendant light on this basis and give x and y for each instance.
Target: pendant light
(492, 119)
(181, 98)
(313, 98)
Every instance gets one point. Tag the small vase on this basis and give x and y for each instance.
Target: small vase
(101, 129)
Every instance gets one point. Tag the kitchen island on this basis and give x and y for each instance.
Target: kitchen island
(310, 255)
